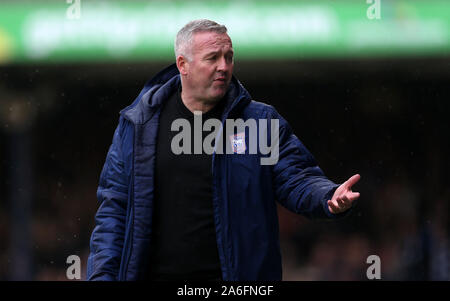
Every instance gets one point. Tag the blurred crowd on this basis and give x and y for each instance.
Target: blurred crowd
(392, 137)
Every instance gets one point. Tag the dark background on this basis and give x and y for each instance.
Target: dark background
(386, 119)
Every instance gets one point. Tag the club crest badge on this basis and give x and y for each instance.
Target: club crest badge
(238, 143)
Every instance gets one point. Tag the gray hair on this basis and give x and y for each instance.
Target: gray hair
(183, 40)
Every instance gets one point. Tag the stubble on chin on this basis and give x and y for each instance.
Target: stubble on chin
(217, 98)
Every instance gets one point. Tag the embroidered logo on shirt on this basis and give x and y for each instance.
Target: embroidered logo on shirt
(238, 143)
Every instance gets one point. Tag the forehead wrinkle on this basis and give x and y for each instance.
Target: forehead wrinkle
(212, 43)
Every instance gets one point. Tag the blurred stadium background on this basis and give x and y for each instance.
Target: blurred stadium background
(364, 85)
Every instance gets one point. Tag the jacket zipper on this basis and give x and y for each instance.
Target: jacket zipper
(216, 200)
(227, 258)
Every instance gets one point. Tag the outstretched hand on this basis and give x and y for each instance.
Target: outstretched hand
(344, 197)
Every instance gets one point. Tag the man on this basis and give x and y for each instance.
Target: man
(197, 215)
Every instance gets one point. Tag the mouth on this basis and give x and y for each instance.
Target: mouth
(220, 79)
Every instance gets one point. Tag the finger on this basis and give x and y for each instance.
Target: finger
(352, 181)
(335, 203)
(353, 196)
(333, 207)
(339, 205)
(331, 210)
(342, 202)
(334, 210)
(345, 203)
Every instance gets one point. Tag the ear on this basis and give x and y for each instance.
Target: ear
(182, 65)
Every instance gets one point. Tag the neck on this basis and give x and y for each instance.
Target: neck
(194, 104)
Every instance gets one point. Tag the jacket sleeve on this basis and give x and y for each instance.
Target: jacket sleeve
(107, 238)
(299, 183)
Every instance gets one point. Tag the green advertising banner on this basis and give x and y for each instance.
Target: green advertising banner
(82, 30)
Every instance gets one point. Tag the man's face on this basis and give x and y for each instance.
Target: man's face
(211, 67)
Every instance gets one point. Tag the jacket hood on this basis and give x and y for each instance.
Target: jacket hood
(160, 87)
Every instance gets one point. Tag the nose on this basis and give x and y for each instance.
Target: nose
(223, 65)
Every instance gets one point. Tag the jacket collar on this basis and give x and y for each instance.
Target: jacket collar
(158, 89)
